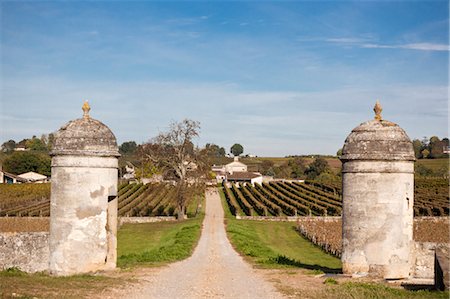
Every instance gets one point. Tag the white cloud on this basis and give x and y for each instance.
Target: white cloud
(365, 43)
(347, 40)
(414, 46)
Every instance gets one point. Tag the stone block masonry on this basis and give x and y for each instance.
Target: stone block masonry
(27, 251)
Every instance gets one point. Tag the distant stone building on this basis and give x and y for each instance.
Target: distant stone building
(378, 199)
(235, 166)
(83, 222)
(236, 172)
(28, 177)
(9, 178)
(130, 172)
(446, 150)
(244, 177)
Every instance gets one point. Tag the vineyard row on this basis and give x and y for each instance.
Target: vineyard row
(281, 198)
(133, 200)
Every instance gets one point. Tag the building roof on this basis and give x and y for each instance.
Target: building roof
(240, 176)
(32, 176)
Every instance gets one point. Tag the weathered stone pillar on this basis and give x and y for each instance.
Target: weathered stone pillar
(83, 212)
(378, 198)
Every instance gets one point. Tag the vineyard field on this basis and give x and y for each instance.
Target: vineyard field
(309, 198)
(278, 198)
(33, 200)
(16, 195)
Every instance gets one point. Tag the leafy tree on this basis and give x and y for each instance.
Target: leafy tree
(8, 146)
(298, 167)
(237, 149)
(328, 177)
(214, 150)
(128, 148)
(266, 168)
(282, 171)
(436, 147)
(36, 144)
(430, 148)
(21, 162)
(425, 153)
(417, 146)
(51, 140)
(146, 169)
(174, 154)
(339, 152)
(318, 166)
(434, 139)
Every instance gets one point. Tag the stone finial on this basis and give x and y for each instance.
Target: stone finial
(86, 108)
(377, 109)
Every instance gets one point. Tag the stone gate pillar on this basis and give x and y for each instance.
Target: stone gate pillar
(378, 198)
(83, 211)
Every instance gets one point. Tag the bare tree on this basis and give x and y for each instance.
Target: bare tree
(175, 156)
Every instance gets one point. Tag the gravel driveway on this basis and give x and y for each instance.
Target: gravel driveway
(214, 270)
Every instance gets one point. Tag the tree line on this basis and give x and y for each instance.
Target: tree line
(431, 148)
(299, 168)
(33, 154)
(29, 154)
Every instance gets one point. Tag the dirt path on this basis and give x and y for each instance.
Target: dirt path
(215, 270)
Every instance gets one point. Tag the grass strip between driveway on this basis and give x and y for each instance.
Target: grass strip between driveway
(157, 243)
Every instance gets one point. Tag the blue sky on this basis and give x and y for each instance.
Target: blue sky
(280, 78)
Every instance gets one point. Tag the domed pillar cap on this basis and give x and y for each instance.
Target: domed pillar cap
(85, 137)
(378, 139)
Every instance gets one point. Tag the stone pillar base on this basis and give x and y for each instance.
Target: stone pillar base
(376, 271)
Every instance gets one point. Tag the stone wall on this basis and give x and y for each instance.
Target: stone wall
(24, 224)
(27, 251)
(423, 259)
(291, 218)
(123, 220)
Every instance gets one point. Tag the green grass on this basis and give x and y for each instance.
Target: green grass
(192, 207)
(18, 284)
(434, 164)
(277, 245)
(157, 243)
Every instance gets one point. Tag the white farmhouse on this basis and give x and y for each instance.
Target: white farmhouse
(28, 177)
(235, 166)
(236, 172)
